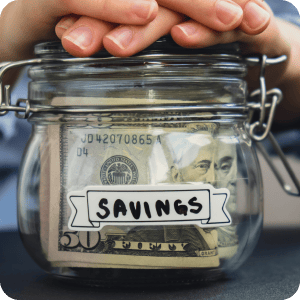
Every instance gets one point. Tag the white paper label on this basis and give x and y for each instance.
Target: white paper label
(201, 205)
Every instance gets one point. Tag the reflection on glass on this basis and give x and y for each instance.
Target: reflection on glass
(226, 177)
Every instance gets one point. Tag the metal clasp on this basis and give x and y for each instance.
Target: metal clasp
(265, 127)
(275, 94)
(5, 94)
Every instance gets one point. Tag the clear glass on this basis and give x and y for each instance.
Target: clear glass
(72, 156)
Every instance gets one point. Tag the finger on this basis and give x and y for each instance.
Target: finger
(137, 12)
(84, 37)
(223, 15)
(192, 34)
(25, 22)
(256, 17)
(64, 24)
(128, 40)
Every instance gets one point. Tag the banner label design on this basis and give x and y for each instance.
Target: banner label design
(95, 207)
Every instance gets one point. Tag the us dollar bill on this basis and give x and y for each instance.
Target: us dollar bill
(93, 156)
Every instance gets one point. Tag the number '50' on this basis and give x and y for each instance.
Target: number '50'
(86, 239)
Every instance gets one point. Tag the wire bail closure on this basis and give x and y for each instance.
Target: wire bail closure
(265, 127)
(276, 96)
(23, 112)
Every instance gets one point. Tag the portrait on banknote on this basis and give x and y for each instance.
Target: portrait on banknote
(128, 200)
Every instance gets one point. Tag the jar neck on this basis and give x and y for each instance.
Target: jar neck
(178, 77)
(173, 79)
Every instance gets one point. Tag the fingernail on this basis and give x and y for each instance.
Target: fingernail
(122, 37)
(144, 9)
(81, 37)
(187, 29)
(255, 16)
(228, 12)
(65, 23)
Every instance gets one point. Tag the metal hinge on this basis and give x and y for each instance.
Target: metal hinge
(264, 127)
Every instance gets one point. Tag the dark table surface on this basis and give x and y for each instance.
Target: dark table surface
(272, 272)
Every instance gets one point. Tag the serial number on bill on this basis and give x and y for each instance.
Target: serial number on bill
(134, 139)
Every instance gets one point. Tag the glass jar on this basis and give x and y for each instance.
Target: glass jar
(139, 170)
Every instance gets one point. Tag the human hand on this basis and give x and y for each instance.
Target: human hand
(209, 20)
(24, 23)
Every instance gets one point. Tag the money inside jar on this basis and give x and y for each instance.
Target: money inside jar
(139, 166)
(194, 158)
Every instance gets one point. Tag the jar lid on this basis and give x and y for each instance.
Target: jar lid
(164, 45)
